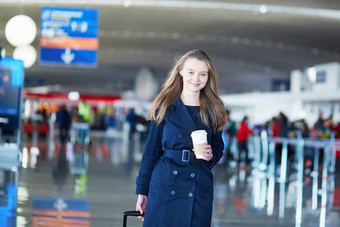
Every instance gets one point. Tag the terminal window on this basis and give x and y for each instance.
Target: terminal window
(320, 77)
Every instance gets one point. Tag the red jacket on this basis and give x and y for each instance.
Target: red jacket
(243, 132)
(276, 129)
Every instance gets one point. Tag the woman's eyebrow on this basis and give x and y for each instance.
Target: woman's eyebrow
(194, 70)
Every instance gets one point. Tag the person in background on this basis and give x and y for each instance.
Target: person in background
(327, 128)
(84, 111)
(274, 127)
(111, 127)
(337, 130)
(332, 125)
(303, 128)
(242, 135)
(284, 125)
(319, 123)
(323, 132)
(174, 187)
(64, 123)
(283, 133)
(111, 119)
(131, 118)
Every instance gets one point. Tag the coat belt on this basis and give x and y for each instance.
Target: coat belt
(181, 155)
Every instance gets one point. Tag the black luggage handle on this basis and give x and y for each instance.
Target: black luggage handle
(130, 213)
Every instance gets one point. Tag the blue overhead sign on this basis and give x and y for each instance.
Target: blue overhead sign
(69, 36)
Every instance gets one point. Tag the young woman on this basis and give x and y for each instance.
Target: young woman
(175, 188)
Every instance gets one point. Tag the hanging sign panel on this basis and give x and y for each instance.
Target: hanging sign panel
(11, 82)
(69, 36)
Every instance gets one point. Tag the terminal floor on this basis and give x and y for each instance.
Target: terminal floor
(111, 184)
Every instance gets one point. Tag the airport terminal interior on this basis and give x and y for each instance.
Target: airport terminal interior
(77, 81)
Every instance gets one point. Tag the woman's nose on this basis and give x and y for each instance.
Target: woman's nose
(196, 77)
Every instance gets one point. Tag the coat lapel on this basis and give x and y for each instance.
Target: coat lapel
(181, 116)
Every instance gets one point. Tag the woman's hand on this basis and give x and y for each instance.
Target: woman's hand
(207, 153)
(140, 205)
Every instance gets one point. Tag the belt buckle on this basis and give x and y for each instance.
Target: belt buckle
(185, 156)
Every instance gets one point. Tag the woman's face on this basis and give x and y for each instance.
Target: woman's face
(195, 74)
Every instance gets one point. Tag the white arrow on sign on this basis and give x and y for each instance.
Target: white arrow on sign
(60, 205)
(67, 57)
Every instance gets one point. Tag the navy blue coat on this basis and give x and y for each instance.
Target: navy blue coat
(179, 193)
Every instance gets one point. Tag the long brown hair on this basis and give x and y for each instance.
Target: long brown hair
(212, 110)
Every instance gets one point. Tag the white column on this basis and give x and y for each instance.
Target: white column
(295, 81)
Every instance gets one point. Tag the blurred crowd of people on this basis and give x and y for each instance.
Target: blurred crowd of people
(99, 119)
(278, 126)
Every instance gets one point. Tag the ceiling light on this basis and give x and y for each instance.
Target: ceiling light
(151, 34)
(73, 96)
(126, 3)
(175, 35)
(263, 9)
(311, 73)
(20, 30)
(27, 54)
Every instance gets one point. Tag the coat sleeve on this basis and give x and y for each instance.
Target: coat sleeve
(152, 152)
(217, 146)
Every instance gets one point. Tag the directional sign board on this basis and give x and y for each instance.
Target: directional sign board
(69, 36)
(53, 211)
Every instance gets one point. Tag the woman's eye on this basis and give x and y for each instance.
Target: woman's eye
(203, 74)
(191, 73)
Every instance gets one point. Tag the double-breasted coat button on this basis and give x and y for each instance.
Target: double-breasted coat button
(192, 175)
(175, 172)
(173, 192)
(179, 135)
(190, 194)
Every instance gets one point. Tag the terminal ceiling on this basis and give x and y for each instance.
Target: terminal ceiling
(248, 48)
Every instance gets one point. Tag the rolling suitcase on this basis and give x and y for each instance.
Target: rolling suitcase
(130, 213)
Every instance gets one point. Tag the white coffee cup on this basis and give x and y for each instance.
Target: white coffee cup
(199, 140)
